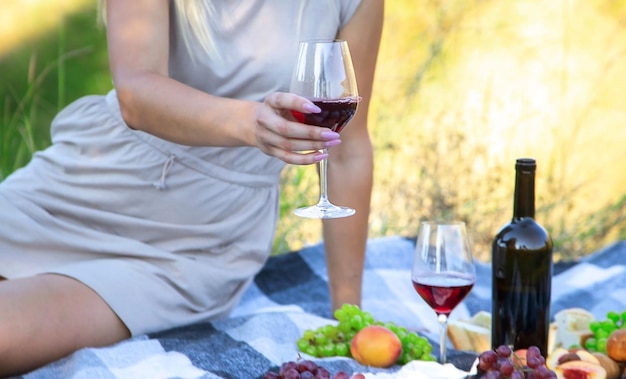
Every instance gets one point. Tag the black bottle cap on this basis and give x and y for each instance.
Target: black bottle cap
(525, 163)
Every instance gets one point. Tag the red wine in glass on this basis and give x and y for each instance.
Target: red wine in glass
(443, 270)
(444, 291)
(335, 114)
(324, 74)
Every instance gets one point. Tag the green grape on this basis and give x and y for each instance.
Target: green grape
(342, 349)
(327, 350)
(427, 348)
(349, 336)
(406, 340)
(356, 322)
(309, 334)
(601, 345)
(344, 327)
(602, 329)
(321, 338)
(401, 332)
(416, 351)
(334, 340)
(340, 314)
(302, 343)
(601, 333)
(591, 344)
(351, 310)
(423, 341)
(594, 326)
(330, 331)
(613, 316)
(405, 358)
(311, 350)
(608, 326)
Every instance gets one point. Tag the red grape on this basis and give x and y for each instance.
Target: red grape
(322, 373)
(307, 369)
(533, 351)
(487, 360)
(286, 367)
(504, 351)
(307, 365)
(341, 375)
(507, 368)
(534, 362)
(499, 364)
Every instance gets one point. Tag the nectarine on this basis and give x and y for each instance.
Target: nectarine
(376, 346)
(580, 370)
(519, 357)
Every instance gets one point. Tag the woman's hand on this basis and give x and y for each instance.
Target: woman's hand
(279, 134)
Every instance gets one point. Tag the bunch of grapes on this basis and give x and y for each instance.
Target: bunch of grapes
(306, 369)
(334, 340)
(602, 330)
(503, 363)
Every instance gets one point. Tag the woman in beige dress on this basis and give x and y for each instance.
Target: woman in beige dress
(156, 204)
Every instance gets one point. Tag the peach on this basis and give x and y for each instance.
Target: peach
(519, 357)
(376, 346)
(580, 370)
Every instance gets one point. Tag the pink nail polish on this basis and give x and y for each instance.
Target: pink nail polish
(320, 156)
(310, 107)
(332, 143)
(329, 135)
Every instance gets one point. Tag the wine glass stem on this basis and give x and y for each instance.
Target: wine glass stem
(443, 332)
(323, 183)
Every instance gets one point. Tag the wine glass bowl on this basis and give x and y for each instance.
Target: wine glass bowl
(443, 271)
(324, 74)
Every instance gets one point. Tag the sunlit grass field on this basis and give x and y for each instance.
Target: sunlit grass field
(463, 88)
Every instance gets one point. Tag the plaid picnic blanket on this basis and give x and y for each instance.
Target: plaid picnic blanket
(290, 295)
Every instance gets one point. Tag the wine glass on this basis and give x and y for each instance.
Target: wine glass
(324, 75)
(443, 270)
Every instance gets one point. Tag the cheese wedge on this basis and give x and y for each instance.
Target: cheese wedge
(475, 334)
(471, 335)
(572, 327)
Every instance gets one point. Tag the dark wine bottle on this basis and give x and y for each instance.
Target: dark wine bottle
(522, 271)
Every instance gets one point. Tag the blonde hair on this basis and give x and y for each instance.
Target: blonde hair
(191, 19)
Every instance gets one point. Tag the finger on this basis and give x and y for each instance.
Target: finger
(292, 143)
(292, 102)
(299, 158)
(283, 127)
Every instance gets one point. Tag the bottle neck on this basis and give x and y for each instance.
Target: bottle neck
(524, 199)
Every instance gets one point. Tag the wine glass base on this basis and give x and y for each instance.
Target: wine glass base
(326, 211)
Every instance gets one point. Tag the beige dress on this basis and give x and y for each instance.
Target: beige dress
(166, 234)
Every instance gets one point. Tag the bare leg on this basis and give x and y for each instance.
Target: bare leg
(46, 317)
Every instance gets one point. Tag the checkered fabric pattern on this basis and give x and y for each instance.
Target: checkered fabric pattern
(290, 295)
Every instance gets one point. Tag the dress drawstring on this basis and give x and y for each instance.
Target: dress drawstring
(160, 184)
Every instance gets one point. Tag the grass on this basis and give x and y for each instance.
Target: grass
(463, 88)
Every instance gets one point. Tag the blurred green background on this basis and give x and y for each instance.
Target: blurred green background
(463, 88)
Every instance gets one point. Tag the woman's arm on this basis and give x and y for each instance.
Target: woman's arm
(350, 166)
(138, 40)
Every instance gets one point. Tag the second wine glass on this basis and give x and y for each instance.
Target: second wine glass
(443, 271)
(324, 75)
